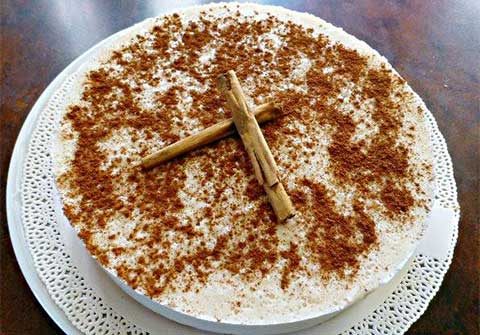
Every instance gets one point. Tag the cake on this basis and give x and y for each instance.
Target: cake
(197, 234)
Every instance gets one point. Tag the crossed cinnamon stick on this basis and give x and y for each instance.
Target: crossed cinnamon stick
(263, 113)
(257, 148)
(246, 123)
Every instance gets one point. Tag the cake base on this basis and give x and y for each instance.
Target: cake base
(220, 327)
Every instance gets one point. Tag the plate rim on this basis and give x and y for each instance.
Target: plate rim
(14, 220)
(12, 192)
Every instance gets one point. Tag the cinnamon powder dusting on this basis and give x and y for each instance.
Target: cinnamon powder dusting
(161, 87)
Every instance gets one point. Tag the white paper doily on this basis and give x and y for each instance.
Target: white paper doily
(94, 304)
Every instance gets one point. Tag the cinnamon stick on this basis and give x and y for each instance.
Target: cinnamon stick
(263, 113)
(257, 148)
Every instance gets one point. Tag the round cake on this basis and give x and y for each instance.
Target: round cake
(196, 235)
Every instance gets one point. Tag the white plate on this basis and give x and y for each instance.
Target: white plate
(13, 199)
(392, 308)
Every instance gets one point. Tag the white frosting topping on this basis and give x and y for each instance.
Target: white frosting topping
(226, 297)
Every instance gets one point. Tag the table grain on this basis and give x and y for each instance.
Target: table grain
(434, 45)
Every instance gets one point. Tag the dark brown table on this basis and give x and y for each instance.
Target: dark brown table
(435, 45)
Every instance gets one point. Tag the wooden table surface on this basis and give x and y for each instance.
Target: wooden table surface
(434, 45)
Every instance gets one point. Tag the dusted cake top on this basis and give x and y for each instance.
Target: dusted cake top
(197, 233)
